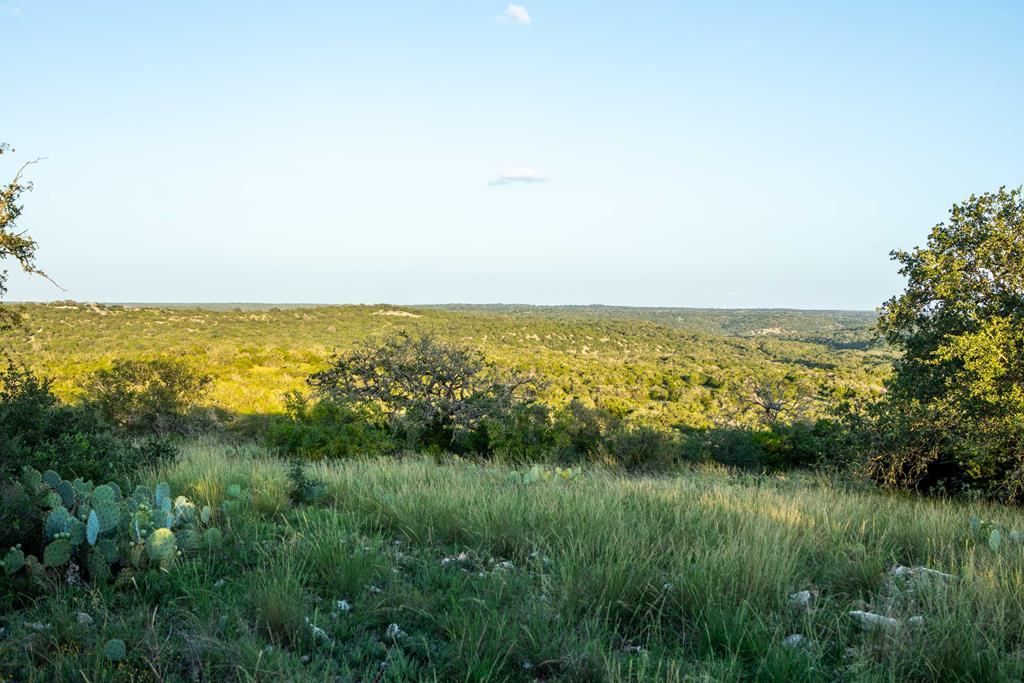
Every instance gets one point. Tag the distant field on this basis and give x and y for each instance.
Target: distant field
(661, 366)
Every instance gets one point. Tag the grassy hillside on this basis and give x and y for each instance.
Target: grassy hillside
(662, 366)
(491, 574)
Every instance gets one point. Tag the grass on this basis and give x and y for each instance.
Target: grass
(602, 577)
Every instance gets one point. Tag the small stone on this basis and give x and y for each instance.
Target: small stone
(375, 590)
(915, 621)
(794, 640)
(305, 659)
(913, 572)
(394, 632)
(83, 619)
(343, 606)
(219, 583)
(801, 599)
(869, 620)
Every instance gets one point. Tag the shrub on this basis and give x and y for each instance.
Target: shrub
(37, 429)
(640, 448)
(153, 396)
(583, 428)
(434, 394)
(527, 433)
(328, 429)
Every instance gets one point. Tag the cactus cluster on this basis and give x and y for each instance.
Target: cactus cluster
(103, 530)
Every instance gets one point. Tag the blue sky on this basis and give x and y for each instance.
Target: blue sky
(643, 153)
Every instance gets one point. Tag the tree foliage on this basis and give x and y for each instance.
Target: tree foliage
(436, 390)
(147, 396)
(14, 244)
(953, 416)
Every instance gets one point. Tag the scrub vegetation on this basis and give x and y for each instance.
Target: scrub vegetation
(491, 493)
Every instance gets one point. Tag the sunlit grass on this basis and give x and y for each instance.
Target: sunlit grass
(602, 577)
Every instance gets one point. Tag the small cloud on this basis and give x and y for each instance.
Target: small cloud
(520, 174)
(10, 11)
(515, 14)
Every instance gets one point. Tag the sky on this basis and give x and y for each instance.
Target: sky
(649, 153)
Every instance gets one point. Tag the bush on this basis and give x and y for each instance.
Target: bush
(434, 394)
(584, 429)
(527, 434)
(37, 429)
(640, 448)
(327, 429)
(153, 396)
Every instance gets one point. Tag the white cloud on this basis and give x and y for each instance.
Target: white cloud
(515, 14)
(10, 10)
(518, 174)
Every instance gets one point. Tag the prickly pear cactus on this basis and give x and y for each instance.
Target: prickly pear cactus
(101, 531)
(76, 531)
(31, 478)
(58, 552)
(162, 493)
(67, 494)
(115, 650)
(52, 478)
(212, 538)
(92, 528)
(57, 522)
(14, 560)
(161, 545)
(99, 568)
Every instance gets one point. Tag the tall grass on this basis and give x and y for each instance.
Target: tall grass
(602, 577)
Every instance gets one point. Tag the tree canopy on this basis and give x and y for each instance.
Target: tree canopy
(14, 244)
(955, 405)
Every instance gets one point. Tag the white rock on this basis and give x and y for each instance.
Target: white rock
(912, 572)
(870, 620)
(795, 640)
(343, 606)
(394, 632)
(915, 621)
(801, 599)
(83, 618)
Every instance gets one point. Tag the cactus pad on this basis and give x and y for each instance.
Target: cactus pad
(163, 492)
(31, 478)
(115, 650)
(57, 553)
(67, 494)
(13, 560)
(92, 528)
(57, 522)
(161, 545)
